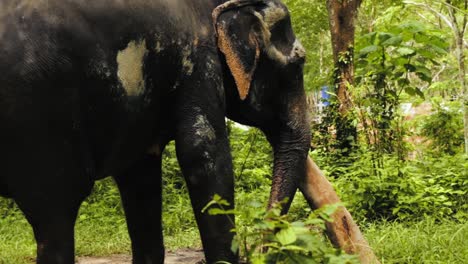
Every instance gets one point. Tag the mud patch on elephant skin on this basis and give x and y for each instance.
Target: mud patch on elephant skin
(203, 130)
(130, 63)
(209, 165)
(158, 47)
(297, 51)
(187, 63)
(99, 65)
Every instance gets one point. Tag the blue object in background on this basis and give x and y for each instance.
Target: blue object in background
(325, 96)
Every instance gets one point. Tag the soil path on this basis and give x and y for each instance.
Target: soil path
(182, 256)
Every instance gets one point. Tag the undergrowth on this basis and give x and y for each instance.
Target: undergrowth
(411, 212)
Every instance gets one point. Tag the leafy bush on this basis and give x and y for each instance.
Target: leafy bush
(444, 128)
(267, 237)
(252, 158)
(408, 190)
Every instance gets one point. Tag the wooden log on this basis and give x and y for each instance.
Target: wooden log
(343, 232)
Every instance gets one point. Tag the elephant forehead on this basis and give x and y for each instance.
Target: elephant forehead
(130, 67)
(273, 13)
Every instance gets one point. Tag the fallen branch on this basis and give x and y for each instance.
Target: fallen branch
(343, 232)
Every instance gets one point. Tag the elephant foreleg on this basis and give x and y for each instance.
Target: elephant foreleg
(204, 156)
(140, 189)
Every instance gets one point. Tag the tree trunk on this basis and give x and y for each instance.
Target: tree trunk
(462, 79)
(462, 70)
(342, 15)
(459, 30)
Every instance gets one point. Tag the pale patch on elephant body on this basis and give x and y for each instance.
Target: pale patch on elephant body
(298, 51)
(130, 63)
(158, 47)
(203, 130)
(187, 64)
(273, 14)
(102, 69)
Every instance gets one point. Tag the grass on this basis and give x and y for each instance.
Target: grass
(94, 237)
(426, 241)
(100, 229)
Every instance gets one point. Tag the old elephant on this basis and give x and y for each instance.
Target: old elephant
(96, 88)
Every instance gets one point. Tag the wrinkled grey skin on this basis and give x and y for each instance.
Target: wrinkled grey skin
(96, 88)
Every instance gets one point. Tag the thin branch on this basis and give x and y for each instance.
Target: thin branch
(439, 14)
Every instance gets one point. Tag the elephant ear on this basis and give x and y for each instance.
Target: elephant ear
(238, 42)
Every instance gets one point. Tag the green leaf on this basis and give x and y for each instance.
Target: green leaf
(295, 248)
(424, 70)
(409, 67)
(393, 41)
(413, 27)
(405, 51)
(219, 211)
(384, 37)
(438, 49)
(411, 91)
(426, 53)
(286, 236)
(235, 245)
(369, 49)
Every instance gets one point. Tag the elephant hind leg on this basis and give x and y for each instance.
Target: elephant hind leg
(140, 189)
(52, 218)
(54, 233)
(49, 180)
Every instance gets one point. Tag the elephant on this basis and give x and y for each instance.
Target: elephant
(90, 89)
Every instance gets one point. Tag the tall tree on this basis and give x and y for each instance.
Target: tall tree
(454, 14)
(342, 16)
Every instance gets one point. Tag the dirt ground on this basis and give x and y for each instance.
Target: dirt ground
(183, 256)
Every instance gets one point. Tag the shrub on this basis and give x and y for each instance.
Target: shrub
(444, 128)
(267, 237)
(410, 190)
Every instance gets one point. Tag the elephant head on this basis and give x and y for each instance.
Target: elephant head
(264, 83)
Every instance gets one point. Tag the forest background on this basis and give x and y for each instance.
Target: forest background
(389, 124)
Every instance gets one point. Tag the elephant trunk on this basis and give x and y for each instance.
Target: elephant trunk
(290, 146)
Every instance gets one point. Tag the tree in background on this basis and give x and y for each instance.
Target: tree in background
(453, 13)
(342, 15)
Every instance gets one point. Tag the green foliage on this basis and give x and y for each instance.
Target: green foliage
(427, 188)
(444, 128)
(270, 237)
(411, 190)
(429, 241)
(252, 158)
(389, 64)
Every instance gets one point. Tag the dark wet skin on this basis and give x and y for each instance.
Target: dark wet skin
(91, 89)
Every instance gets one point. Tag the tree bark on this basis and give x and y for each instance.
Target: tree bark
(343, 232)
(342, 15)
(459, 32)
